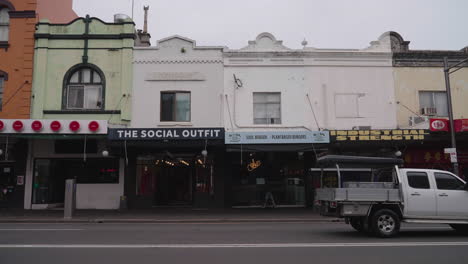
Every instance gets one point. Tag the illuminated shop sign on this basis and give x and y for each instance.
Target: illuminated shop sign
(290, 137)
(48, 126)
(165, 133)
(379, 135)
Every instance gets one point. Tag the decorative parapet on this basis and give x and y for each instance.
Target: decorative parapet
(265, 42)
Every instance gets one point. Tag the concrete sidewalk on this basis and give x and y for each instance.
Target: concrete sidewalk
(165, 215)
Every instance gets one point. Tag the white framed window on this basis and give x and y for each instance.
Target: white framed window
(175, 106)
(267, 108)
(84, 90)
(4, 23)
(433, 103)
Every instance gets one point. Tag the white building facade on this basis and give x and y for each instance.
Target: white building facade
(175, 142)
(284, 106)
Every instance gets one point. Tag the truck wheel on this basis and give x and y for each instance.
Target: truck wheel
(460, 228)
(385, 223)
(357, 223)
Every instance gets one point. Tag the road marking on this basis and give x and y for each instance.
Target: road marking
(38, 229)
(280, 245)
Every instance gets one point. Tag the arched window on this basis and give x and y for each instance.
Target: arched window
(4, 23)
(84, 88)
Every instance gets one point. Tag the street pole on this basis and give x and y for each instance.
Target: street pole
(450, 112)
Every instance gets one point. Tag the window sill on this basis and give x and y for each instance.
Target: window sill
(170, 124)
(81, 112)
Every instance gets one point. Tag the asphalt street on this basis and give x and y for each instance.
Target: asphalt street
(225, 243)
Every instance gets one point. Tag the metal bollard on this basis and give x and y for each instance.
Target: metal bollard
(70, 196)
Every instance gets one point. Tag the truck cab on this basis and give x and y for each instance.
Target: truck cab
(433, 194)
(391, 195)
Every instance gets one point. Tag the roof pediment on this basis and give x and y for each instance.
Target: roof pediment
(265, 42)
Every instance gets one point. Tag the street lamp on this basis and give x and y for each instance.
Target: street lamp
(447, 72)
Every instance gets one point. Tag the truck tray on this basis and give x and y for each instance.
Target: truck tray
(358, 194)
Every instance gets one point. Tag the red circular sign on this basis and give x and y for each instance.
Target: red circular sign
(438, 125)
(55, 126)
(36, 126)
(18, 126)
(74, 126)
(93, 126)
(2, 125)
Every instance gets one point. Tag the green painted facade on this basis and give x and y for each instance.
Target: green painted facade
(59, 47)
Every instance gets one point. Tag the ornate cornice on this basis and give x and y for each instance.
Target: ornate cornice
(426, 58)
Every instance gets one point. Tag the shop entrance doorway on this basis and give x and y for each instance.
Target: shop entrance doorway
(175, 180)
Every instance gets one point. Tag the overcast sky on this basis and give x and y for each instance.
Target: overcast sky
(428, 24)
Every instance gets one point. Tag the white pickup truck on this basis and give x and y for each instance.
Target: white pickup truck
(379, 204)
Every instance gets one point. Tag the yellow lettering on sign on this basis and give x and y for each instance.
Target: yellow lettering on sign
(376, 132)
(364, 132)
(353, 133)
(341, 138)
(375, 138)
(387, 132)
(386, 137)
(363, 137)
(423, 132)
(407, 137)
(341, 133)
(333, 133)
(353, 138)
(397, 137)
(397, 132)
(414, 132)
(437, 156)
(421, 137)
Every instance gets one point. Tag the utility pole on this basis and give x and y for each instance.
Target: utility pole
(447, 73)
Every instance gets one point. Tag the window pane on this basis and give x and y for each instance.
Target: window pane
(75, 96)
(441, 103)
(273, 97)
(259, 97)
(96, 77)
(4, 16)
(273, 110)
(183, 107)
(448, 182)
(260, 110)
(75, 77)
(167, 104)
(267, 108)
(92, 97)
(4, 31)
(418, 180)
(86, 76)
(425, 99)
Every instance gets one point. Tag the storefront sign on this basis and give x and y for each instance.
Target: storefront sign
(437, 124)
(379, 135)
(165, 133)
(46, 126)
(292, 137)
(461, 125)
(253, 165)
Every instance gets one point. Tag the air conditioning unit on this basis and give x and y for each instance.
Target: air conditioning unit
(416, 120)
(429, 111)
